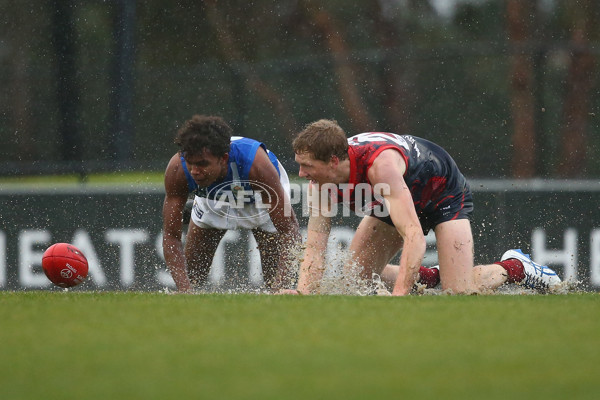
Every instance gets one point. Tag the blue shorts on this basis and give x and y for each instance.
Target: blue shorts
(456, 203)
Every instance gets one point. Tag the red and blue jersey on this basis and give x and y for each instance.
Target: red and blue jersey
(439, 190)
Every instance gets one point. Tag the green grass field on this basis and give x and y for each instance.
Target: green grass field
(124, 345)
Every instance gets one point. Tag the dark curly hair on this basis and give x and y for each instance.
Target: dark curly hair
(204, 132)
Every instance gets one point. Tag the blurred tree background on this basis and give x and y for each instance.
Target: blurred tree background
(509, 87)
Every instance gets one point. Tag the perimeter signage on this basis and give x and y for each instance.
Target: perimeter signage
(120, 234)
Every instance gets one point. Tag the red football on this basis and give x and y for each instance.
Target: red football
(65, 265)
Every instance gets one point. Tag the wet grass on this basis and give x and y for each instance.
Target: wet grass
(124, 345)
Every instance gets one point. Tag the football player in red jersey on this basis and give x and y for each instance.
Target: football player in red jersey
(404, 186)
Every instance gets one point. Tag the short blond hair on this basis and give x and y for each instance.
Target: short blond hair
(322, 139)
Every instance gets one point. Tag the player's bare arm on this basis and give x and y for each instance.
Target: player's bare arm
(176, 194)
(312, 265)
(387, 171)
(280, 210)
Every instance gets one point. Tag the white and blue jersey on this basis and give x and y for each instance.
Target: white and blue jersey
(242, 152)
(232, 202)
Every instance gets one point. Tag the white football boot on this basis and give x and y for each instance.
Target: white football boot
(537, 276)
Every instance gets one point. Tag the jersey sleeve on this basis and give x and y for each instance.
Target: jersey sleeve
(377, 152)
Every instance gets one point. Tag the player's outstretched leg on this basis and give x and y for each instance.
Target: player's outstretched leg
(537, 276)
(428, 276)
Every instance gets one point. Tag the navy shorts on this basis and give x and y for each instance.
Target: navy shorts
(455, 202)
